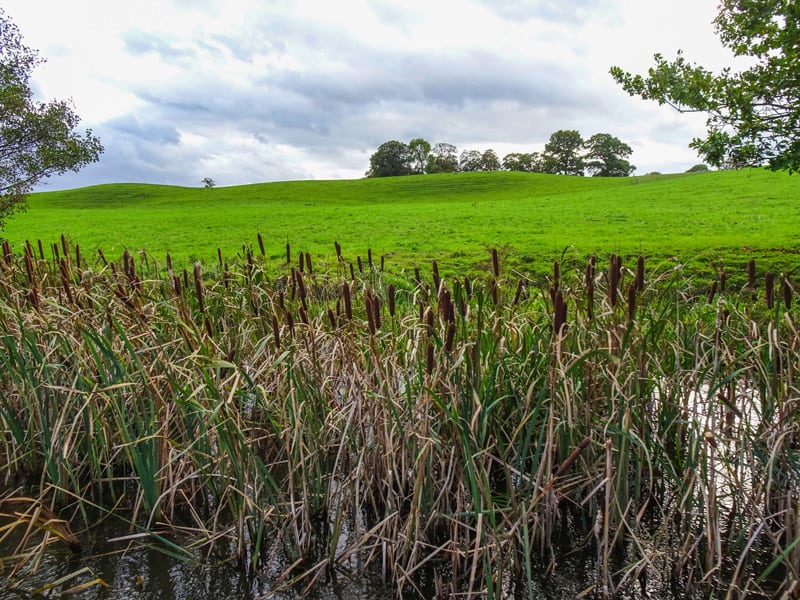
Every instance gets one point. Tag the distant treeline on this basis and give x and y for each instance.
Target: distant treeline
(567, 153)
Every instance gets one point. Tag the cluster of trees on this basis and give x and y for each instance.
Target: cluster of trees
(567, 153)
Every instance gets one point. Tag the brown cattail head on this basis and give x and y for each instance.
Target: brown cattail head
(369, 257)
(7, 256)
(348, 306)
(495, 263)
(451, 334)
(518, 293)
(169, 260)
(288, 253)
(64, 245)
(308, 264)
(300, 261)
(769, 289)
(468, 287)
(390, 297)
(436, 279)
(370, 313)
(430, 362)
(352, 273)
(712, 292)
(331, 318)
(219, 256)
(751, 274)
(261, 244)
(495, 292)
(429, 320)
(640, 273)
(301, 286)
(383, 257)
(590, 299)
(376, 310)
(446, 306)
(360, 265)
(417, 278)
(338, 251)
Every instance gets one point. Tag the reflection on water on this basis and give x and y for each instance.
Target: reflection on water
(146, 572)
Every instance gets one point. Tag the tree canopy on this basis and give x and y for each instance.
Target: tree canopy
(37, 139)
(562, 154)
(566, 154)
(605, 156)
(390, 159)
(754, 114)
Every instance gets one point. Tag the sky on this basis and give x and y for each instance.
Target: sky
(246, 91)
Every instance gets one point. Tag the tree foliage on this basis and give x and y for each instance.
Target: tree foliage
(566, 153)
(37, 139)
(528, 162)
(754, 114)
(390, 159)
(470, 160)
(443, 158)
(606, 156)
(418, 150)
(562, 154)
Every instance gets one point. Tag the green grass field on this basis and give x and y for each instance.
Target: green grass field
(454, 219)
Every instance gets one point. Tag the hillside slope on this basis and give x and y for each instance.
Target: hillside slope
(454, 218)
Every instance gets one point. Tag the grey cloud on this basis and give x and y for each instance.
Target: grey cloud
(571, 11)
(131, 127)
(139, 42)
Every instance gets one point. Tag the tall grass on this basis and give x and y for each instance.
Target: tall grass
(349, 419)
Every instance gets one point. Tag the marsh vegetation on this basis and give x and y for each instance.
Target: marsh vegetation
(311, 421)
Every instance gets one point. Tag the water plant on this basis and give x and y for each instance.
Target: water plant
(341, 419)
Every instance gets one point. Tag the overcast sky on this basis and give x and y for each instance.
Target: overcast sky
(244, 91)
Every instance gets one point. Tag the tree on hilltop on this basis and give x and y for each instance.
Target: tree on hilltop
(562, 155)
(753, 115)
(489, 161)
(605, 156)
(418, 150)
(37, 139)
(528, 162)
(443, 158)
(392, 158)
(470, 160)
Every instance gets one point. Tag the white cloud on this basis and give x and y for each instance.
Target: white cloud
(246, 90)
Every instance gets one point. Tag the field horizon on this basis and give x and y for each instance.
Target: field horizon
(532, 219)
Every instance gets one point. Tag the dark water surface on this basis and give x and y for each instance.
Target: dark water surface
(138, 571)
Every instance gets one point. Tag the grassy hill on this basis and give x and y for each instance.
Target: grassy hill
(453, 218)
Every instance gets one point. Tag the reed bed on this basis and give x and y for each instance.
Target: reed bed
(314, 420)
